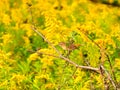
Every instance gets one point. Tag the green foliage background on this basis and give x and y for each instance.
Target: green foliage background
(88, 24)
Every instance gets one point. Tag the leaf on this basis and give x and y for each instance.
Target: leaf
(105, 26)
(37, 42)
(116, 53)
(2, 29)
(92, 36)
(24, 67)
(41, 21)
(69, 2)
(80, 18)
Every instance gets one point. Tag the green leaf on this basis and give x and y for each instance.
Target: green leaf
(92, 36)
(68, 21)
(105, 26)
(24, 66)
(116, 53)
(37, 42)
(13, 5)
(2, 29)
(80, 18)
(117, 41)
(41, 21)
(69, 2)
(116, 2)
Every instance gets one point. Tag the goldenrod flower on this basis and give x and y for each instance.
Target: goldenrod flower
(6, 19)
(33, 56)
(6, 38)
(49, 86)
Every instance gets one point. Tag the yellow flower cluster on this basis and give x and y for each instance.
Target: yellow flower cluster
(6, 38)
(33, 56)
(117, 63)
(6, 19)
(59, 19)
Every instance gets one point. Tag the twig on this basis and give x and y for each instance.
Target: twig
(33, 28)
(109, 77)
(60, 55)
(76, 65)
(40, 34)
(103, 69)
(69, 61)
(89, 38)
(111, 68)
(103, 77)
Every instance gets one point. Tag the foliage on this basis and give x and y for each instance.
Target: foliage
(92, 27)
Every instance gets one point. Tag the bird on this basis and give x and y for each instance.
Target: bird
(68, 46)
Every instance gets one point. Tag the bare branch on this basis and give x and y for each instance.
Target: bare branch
(60, 55)
(102, 52)
(78, 66)
(109, 77)
(69, 61)
(111, 67)
(40, 34)
(34, 29)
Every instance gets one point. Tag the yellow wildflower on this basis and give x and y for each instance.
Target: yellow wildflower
(117, 63)
(84, 88)
(16, 81)
(28, 29)
(6, 19)
(78, 76)
(16, 15)
(6, 38)
(18, 77)
(4, 83)
(47, 60)
(49, 86)
(33, 56)
(27, 41)
(42, 76)
(100, 42)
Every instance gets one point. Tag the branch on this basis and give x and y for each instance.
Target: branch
(69, 61)
(60, 55)
(109, 77)
(40, 34)
(101, 51)
(78, 66)
(34, 29)
(111, 67)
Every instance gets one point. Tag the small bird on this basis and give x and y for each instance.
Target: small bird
(69, 47)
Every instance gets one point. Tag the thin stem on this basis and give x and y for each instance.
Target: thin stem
(109, 77)
(70, 61)
(105, 53)
(34, 29)
(40, 34)
(111, 68)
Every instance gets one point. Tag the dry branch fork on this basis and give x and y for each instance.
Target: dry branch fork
(97, 70)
